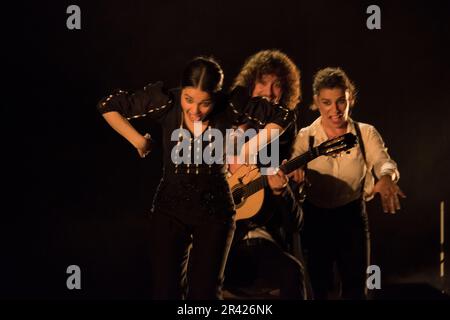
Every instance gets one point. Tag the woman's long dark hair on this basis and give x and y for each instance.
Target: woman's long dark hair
(203, 73)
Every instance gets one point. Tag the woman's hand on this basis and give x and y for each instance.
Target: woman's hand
(389, 192)
(126, 130)
(143, 145)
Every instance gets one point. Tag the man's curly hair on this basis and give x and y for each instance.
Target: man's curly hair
(272, 62)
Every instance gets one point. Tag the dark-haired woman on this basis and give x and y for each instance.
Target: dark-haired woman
(335, 226)
(193, 213)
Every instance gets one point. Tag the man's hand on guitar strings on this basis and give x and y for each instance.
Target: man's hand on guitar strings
(297, 175)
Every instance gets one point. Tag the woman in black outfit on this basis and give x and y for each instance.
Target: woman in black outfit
(193, 212)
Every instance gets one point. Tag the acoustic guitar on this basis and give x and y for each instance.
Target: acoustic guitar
(247, 184)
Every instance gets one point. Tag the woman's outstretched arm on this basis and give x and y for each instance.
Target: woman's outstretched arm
(152, 102)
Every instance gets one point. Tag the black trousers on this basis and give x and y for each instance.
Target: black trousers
(260, 259)
(189, 256)
(340, 237)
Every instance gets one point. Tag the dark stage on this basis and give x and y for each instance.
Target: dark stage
(76, 193)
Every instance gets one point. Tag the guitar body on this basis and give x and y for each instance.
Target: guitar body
(247, 184)
(246, 207)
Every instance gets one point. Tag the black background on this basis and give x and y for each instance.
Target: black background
(75, 192)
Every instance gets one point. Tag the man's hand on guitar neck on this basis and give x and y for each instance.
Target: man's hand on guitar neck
(278, 181)
(297, 175)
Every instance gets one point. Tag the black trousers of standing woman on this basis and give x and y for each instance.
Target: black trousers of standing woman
(337, 236)
(190, 241)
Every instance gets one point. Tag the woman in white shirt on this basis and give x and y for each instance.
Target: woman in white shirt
(336, 227)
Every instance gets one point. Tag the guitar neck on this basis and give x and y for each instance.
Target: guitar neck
(299, 161)
(288, 167)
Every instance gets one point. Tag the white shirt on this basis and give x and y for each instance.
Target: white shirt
(336, 181)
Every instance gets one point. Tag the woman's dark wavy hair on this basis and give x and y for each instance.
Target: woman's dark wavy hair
(272, 62)
(331, 78)
(204, 73)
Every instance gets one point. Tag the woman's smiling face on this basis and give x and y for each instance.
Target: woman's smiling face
(196, 104)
